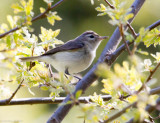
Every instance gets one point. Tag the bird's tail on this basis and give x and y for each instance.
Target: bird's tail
(34, 58)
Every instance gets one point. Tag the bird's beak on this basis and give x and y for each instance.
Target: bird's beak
(103, 37)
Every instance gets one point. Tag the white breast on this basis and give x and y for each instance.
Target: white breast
(74, 61)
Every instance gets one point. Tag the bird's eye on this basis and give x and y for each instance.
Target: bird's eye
(91, 36)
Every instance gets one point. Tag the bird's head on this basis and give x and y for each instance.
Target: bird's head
(91, 39)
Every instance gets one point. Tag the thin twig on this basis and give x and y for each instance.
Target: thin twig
(47, 100)
(149, 77)
(152, 72)
(50, 70)
(132, 30)
(135, 35)
(9, 99)
(40, 16)
(124, 39)
(110, 5)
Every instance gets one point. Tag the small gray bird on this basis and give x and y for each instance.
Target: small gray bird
(74, 56)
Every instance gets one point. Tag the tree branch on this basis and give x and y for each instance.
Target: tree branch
(124, 39)
(46, 100)
(90, 77)
(110, 5)
(132, 30)
(7, 101)
(40, 16)
(154, 25)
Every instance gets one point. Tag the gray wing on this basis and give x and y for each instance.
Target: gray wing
(69, 46)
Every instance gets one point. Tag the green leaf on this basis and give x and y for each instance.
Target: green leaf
(157, 57)
(42, 9)
(10, 20)
(78, 94)
(17, 8)
(142, 52)
(55, 33)
(69, 102)
(29, 8)
(9, 41)
(129, 36)
(23, 3)
(3, 27)
(45, 88)
(47, 35)
(129, 16)
(51, 17)
(102, 8)
(51, 20)
(13, 20)
(118, 15)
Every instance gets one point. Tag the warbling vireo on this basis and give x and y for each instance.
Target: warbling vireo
(74, 56)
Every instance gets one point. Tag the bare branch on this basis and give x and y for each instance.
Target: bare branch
(155, 91)
(40, 16)
(50, 70)
(90, 77)
(132, 30)
(124, 39)
(154, 25)
(7, 101)
(152, 72)
(149, 77)
(46, 100)
(110, 5)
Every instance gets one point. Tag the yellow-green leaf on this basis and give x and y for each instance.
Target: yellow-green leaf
(42, 9)
(78, 94)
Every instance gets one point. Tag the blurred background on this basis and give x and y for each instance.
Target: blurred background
(78, 16)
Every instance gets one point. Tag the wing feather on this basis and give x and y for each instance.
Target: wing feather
(70, 45)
